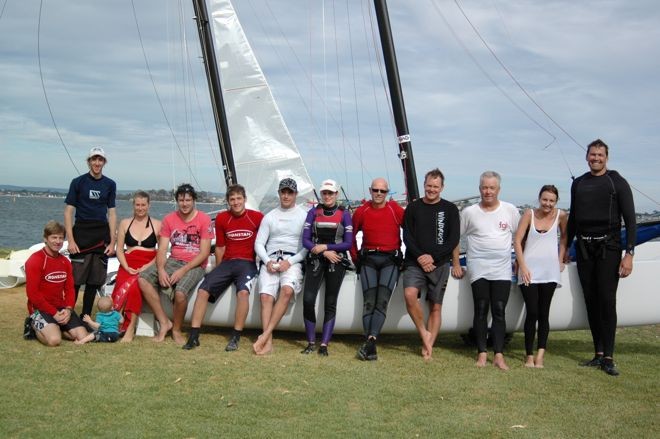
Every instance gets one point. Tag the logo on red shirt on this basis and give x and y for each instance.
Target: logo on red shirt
(239, 235)
(56, 277)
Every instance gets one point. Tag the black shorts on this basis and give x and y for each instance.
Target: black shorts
(90, 269)
(242, 273)
(40, 319)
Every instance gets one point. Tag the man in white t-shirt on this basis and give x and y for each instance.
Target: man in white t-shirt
(279, 247)
(489, 227)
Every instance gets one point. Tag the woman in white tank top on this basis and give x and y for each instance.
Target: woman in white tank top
(542, 235)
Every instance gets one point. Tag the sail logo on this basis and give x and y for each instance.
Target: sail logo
(239, 235)
(56, 277)
(94, 195)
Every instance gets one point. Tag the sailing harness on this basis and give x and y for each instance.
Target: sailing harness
(597, 246)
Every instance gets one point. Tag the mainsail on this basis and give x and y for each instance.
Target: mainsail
(263, 149)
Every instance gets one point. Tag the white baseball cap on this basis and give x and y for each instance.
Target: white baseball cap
(329, 185)
(97, 150)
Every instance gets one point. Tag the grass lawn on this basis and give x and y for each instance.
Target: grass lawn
(159, 390)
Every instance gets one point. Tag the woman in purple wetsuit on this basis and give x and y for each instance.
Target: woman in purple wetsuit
(328, 235)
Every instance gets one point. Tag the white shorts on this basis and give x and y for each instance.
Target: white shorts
(270, 283)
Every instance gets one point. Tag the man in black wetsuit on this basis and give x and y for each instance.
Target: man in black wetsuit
(599, 199)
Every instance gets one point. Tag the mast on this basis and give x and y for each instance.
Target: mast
(215, 89)
(398, 107)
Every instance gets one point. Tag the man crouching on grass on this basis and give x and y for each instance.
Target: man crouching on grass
(50, 291)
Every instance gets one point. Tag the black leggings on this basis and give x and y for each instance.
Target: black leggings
(88, 298)
(378, 277)
(537, 305)
(334, 275)
(493, 294)
(599, 276)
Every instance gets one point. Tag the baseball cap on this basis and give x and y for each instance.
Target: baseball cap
(288, 183)
(329, 185)
(97, 150)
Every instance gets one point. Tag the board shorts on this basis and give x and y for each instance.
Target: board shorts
(241, 272)
(186, 284)
(434, 282)
(270, 283)
(39, 320)
(90, 269)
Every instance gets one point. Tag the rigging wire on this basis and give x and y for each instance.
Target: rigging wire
(513, 78)
(160, 102)
(490, 78)
(341, 101)
(383, 80)
(2, 11)
(43, 87)
(355, 95)
(286, 68)
(373, 88)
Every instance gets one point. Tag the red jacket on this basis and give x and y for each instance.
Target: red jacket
(49, 283)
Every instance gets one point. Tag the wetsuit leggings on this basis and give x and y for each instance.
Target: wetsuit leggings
(88, 298)
(537, 306)
(334, 275)
(378, 277)
(493, 294)
(599, 277)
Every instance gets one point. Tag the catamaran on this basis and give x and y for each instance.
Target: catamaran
(257, 151)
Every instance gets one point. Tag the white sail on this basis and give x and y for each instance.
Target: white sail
(263, 149)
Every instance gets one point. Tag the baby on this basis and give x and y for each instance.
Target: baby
(106, 326)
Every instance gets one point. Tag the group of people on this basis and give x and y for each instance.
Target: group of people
(297, 250)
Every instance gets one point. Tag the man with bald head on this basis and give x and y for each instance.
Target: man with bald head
(379, 259)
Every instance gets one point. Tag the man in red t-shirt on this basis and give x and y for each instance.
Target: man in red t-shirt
(379, 259)
(235, 233)
(50, 291)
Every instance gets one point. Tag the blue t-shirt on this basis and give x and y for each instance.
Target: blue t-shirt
(109, 321)
(91, 197)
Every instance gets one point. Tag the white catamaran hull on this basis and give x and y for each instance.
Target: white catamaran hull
(637, 304)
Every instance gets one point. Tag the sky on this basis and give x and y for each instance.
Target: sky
(519, 87)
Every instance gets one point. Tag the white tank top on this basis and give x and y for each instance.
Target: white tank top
(542, 254)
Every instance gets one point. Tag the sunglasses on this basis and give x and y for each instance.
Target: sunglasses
(379, 191)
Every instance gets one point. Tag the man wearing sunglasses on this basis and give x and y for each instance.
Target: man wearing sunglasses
(378, 259)
(431, 231)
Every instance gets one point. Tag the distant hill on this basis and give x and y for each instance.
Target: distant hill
(11, 187)
(156, 194)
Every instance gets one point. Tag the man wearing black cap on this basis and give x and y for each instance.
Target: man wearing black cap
(279, 247)
(92, 238)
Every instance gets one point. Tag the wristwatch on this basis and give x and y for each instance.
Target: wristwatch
(630, 251)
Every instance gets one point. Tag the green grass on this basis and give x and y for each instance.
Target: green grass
(149, 390)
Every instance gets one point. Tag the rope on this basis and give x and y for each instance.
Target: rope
(43, 87)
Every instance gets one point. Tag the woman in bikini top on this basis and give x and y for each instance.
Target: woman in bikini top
(134, 255)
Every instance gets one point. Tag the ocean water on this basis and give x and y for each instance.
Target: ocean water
(22, 219)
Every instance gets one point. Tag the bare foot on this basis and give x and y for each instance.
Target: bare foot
(538, 361)
(162, 332)
(267, 347)
(258, 345)
(482, 359)
(78, 342)
(427, 345)
(498, 362)
(127, 338)
(178, 337)
(530, 361)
